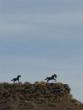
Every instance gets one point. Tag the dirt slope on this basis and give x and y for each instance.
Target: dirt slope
(37, 96)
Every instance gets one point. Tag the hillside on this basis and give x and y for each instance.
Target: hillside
(37, 96)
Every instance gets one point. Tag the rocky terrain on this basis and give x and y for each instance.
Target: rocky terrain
(37, 96)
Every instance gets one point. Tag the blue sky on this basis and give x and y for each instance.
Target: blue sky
(40, 37)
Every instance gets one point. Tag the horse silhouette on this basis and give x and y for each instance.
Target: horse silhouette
(16, 79)
(53, 77)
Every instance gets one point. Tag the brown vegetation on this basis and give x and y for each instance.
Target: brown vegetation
(37, 96)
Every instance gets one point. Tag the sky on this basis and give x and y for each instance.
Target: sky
(42, 37)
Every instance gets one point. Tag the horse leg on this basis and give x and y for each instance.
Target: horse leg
(54, 79)
(18, 80)
(14, 81)
(47, 80)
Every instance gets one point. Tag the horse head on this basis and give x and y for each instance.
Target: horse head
(18, 76)
(55, 75)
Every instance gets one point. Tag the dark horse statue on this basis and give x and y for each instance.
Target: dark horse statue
(16, 79)
(53, 77)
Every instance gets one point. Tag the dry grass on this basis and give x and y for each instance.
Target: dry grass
(27, 96)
